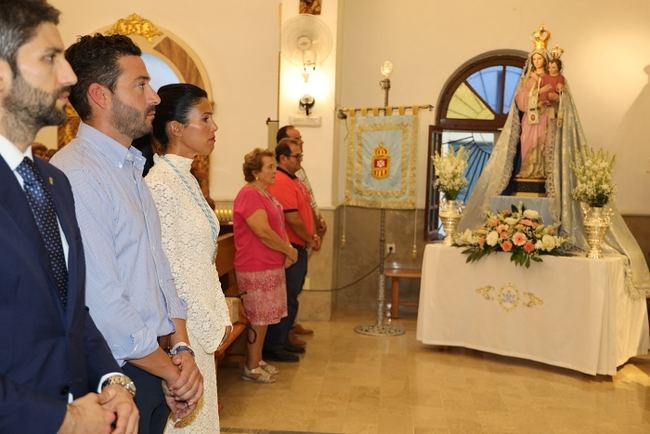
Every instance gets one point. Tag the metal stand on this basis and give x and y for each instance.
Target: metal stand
(380, 328)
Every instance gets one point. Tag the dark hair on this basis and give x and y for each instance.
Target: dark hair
(282, 133)
(95, 60)
(176, 102)
(253, 162)
(18, 23)
(558, 62)
(283, 147)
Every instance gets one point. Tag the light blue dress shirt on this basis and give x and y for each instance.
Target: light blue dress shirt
(129, 286)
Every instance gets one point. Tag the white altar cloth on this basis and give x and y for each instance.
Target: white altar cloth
(570, 312)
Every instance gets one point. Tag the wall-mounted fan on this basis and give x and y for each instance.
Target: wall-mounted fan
(306, 41)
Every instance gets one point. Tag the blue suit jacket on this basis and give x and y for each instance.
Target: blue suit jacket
(47, 352)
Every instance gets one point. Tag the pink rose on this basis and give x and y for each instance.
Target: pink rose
(519, 239)
(502, 228)
(506, 246)
(481, 241)
(504, 235)
(529, 247)
(527, 222)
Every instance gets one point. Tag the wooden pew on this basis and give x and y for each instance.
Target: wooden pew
(226, 270)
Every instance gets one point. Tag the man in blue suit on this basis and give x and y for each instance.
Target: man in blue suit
(54, 357)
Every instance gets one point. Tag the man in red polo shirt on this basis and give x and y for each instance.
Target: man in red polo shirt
(299, 218)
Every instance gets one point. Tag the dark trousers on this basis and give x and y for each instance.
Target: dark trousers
(277, 335)
(149, 399)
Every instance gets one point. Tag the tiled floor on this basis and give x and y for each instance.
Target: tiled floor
(351, 383)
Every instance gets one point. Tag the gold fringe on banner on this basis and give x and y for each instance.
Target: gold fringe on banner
(345, 112)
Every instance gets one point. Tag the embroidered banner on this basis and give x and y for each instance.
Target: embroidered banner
(381, 160)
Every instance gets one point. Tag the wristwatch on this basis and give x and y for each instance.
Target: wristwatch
(121, 380)
(181, 347)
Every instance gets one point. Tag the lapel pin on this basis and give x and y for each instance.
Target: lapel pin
(51, 180)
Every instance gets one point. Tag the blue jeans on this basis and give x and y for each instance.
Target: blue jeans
(277, 336)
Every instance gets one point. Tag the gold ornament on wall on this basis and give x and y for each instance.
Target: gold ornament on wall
(134, 24)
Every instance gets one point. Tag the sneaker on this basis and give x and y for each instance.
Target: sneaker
(269, 368)
(257, 375)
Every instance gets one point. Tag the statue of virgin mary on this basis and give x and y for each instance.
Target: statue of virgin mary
(548, 159)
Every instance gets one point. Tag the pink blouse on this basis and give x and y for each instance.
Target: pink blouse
(250, 253)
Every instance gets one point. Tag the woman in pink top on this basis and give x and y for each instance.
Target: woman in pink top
(262, 251)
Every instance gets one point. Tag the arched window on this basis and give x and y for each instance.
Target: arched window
(472, 108)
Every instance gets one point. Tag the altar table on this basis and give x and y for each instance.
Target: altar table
(571, 312)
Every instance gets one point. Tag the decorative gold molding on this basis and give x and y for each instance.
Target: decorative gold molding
(134, 24)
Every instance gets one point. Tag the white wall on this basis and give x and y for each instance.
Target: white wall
(607, 47)
(238, 43)
(319, 141)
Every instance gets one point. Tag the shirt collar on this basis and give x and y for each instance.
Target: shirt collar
(110, 148)
(11, 154)
(290, 175)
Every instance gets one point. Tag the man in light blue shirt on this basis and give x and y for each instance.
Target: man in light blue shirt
(130, 289)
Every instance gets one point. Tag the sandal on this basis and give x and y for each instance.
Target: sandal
(269, 368)
(257, 375)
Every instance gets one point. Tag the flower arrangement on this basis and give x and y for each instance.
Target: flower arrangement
(518, 231)
(593, 172)
(450, 172)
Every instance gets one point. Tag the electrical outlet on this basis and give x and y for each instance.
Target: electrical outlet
(390, 248)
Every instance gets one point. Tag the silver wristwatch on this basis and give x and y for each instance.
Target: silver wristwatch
(121, 380)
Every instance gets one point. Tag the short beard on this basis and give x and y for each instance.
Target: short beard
(128, 120)
(28, 109)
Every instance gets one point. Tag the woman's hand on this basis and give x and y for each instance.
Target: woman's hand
(291, 257)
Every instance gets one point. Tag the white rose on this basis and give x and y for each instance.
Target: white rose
(539, 245)
(511, 220)
(466, 237)
(492, 238)
(531, 214)
(548, 241)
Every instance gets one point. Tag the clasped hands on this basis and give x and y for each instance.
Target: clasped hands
(110, 412)
(183, 391)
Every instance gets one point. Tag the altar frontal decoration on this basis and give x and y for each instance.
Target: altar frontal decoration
(381, 159)
(518, 231)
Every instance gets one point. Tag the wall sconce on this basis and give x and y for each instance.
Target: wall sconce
(386, 69)
(306, 103)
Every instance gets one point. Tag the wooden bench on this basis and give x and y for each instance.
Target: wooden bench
(225, 263)
(396, 273)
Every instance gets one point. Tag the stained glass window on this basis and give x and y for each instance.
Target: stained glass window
(473, 107)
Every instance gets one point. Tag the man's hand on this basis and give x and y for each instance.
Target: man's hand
(189, 384)
(120, 402)
(321, 226)
(86, 416)
(316, 242)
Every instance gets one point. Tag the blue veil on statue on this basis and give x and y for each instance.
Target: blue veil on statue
(564, 138)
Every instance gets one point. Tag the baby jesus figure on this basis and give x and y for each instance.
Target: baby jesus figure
(552, 84)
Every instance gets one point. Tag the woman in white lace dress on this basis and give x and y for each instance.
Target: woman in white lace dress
(183, 128)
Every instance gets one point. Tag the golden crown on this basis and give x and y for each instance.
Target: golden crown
(540, 38)
(556, 52)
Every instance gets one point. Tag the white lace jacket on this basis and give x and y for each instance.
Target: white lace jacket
(187, 239)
